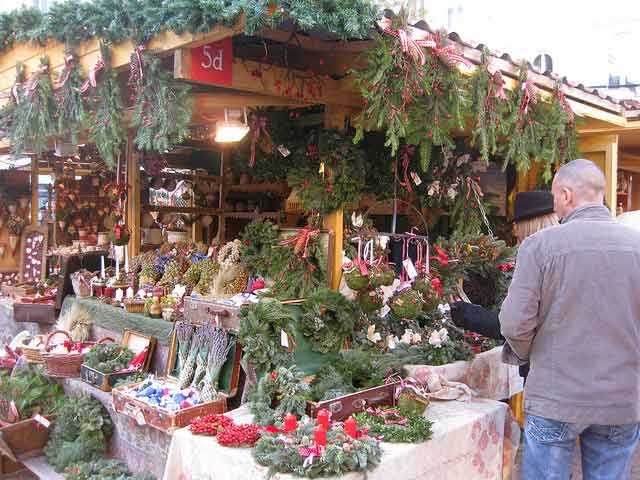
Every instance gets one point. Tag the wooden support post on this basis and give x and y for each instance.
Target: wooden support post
(133, 198)
(34, 190)
(603, 151)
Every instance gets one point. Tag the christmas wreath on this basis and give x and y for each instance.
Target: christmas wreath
(108, 358)
(297, 452)
(261, 327)
(328, 319)
(258, 238)
(278, 393)
(328, 172)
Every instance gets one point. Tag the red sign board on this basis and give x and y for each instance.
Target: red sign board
(213, 63)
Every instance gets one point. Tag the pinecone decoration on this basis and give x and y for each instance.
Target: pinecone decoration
(172, 274)
(208, 271)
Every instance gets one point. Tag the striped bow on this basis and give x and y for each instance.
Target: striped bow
(529, 97)
(91, 82)
(564, 104)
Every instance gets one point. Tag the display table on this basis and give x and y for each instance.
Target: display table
(116, 319)
(470, 440)
(485, 373)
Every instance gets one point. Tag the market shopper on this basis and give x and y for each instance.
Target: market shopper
(533, 211)
(573, 312)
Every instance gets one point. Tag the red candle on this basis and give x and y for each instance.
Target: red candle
(290, 423)
(320, 435)
(351, 427)
(323, 418)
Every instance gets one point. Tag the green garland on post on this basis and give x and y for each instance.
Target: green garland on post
(162, 109)
(328, 320)
(71, 109)
(33, 119)
(106, 130)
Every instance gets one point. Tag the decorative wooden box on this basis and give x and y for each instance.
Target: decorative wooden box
(200, 311)
(125, 402)
(342, 407)
(35, 312)
(136, 342)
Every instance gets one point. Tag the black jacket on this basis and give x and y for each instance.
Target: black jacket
(478, 319)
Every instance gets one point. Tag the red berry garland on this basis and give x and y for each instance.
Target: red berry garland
(226, 431)
(210, 424)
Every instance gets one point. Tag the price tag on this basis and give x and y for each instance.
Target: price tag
(284, 151)
(416, 178)
(410, 269)
(42, 421)
(210, 251)
(384, 311)
(140, 418)
(284, 339)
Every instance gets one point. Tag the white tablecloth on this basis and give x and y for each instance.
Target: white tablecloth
(472, 440)
(485, 373)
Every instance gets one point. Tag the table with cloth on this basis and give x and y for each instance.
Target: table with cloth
(473, 440)
(485, 373)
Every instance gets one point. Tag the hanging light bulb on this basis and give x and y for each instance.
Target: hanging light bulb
(233, 128)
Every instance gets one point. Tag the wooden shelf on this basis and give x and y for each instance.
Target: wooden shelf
(259, 187)
(191, 176)
(251, 215)
(195, 210)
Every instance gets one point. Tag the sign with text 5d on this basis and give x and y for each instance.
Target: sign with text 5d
(213, 63)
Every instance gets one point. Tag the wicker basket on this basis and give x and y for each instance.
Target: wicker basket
(64, 365)
(34, 354)
(133, 305)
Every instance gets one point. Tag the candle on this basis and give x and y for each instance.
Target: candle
(119, 295)
(126, 260)
(102, 274)
(323, 418)
(320, 435)
(290, 423)
(117, 266)
(351, 427)
(129, 292)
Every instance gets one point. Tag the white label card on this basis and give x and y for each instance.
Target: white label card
(284, 151)
(385, 310)
(140, 418)
(284, 339)
(410, 269)
(416, 178)
(42, 421)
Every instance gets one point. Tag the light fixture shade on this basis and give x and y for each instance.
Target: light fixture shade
(232, 129)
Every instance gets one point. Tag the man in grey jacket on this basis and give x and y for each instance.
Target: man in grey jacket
(573, 312)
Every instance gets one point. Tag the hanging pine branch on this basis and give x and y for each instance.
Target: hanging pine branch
(71, 110)
(489, 106)
(162, 109)
(413, 94)
(524, 131)
(106, 130)
(34, 116)
(7, 112)
(559, 141)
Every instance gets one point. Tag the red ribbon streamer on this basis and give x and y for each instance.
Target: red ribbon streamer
(357, 263)
(91, 81)
(564, 103)
(406, 152)
(441, 256)
(68, 66)
(306, 234)
(497, 85)
(529, 96)
(258, 126)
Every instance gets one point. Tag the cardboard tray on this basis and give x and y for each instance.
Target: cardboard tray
(105, 381)
(168, 421)
(342, 407)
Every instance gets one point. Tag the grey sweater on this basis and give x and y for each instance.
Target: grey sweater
(573, 311)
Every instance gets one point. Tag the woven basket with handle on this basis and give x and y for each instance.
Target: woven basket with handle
(34, 354)
(64, 365)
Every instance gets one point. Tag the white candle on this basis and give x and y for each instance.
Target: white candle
(102, 274)
(129, 292)
(126, 259)
(117, 266)
(119, 295)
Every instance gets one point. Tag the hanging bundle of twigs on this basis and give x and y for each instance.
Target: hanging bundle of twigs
(221, 343)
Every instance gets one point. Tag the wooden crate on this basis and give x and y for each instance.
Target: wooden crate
(342, 407)
(25, 438)
(167, 421)
(136, 343)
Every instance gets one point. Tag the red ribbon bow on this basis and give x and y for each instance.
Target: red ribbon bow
(91, 82)
(301, 241)
(357, 263)
(409, 45)
(258, 126)
(441, 256)
(436, 284)
(308, 453)
(34, 80)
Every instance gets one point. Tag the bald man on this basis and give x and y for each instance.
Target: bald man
(573, 312)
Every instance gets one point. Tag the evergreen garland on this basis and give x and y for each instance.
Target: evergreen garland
(341, 455)
(416, 430)
(107, 130)
(108, 358)
(258, 239)
(261, 325)
(71, 110)
(328, 320)
(8, 110)
(488, 108)
(278, 393)
(344, 172)
(75, 21)
(33, 119)
(80, 433)
(162, 110)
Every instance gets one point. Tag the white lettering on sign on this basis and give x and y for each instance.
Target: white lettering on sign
(213, 58)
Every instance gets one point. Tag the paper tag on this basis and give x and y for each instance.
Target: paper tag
(284, 339)
(42, 421)
(409, 268)
(284, 151)
(139, 416)
(385, 310)
(321, 169)
(210, 252)
(416, 178)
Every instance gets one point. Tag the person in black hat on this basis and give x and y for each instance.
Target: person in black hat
(533, 211)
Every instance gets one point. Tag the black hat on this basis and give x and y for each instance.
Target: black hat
(532, 204)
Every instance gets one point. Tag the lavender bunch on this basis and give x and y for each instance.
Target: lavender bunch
(184, 332)
(207, 332)
(219, 349)
(188, 368)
